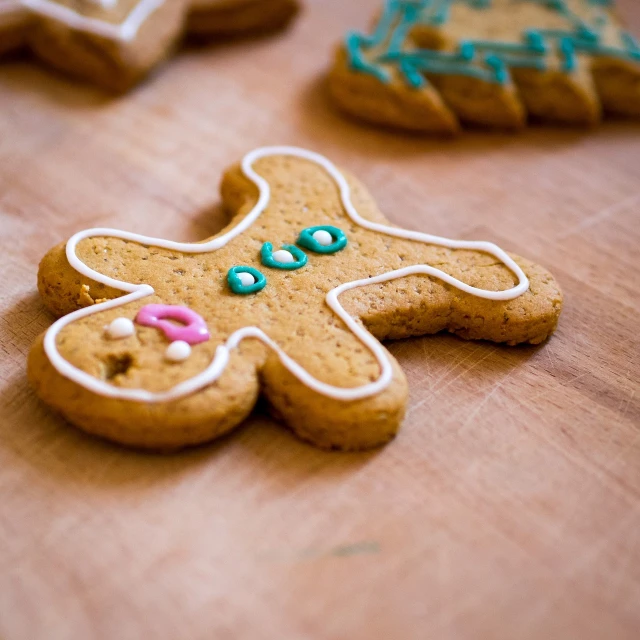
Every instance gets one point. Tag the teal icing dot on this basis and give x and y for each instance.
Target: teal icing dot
(267, 253)
(235, 283)
(307, 240)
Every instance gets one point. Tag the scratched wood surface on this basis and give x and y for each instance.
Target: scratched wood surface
(508, 507)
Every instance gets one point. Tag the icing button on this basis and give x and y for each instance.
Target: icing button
(322, 237)
(178, 351)
(246, 279)
(120, 328)
(288, 257)
(283, 256)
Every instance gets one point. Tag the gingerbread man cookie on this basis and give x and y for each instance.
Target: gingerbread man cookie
(430, 65)
(114, 43)
(166, 344)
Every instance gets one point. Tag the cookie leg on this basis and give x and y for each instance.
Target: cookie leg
(328, 423)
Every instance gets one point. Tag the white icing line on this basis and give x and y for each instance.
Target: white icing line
(125, 31)
(221, 358)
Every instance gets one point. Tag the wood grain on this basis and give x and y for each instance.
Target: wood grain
(509, 506)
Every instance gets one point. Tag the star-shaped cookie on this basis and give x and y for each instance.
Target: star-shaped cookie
(165, 344)
(115, 43)
(432, 65)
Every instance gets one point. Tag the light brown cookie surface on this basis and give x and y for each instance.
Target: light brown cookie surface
(492, 63)
(293, 340)
(115, 43)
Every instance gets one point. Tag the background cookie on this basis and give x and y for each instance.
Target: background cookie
(275, 304)
(230, 17)
(433, 64)
(114, 43)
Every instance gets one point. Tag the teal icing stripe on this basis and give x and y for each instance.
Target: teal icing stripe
(411, 72)
(568, 50)
(631, 48)
(414, 64)
(441, 13)
(384, 25)
(483, 59)
(630, 42)
(535, 48)
(358, 62)
(465, 53)
(409, 18)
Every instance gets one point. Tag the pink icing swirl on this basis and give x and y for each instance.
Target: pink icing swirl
(193, 332)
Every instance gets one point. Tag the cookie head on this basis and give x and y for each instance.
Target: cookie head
(290, 301)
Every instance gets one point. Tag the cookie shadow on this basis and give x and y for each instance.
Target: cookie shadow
(441, 365)
(325, 125)
(69, 457)
(23, 74)
(22, 322)
(244, 40)
(207, 222)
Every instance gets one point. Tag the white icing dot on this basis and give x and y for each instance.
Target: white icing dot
(120, 328)
(178, 351)
(283, 256)
(246, 278)
(322, 237)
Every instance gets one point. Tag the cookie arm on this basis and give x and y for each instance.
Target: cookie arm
(63, 289)
(420, 304)
(329, 423)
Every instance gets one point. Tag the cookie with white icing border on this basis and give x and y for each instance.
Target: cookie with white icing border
(115, 43)
(164, 344)
(433, 65)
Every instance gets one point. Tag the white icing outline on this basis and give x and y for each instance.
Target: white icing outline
(221, 358)
(124, 32)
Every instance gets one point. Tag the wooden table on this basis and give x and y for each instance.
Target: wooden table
(508, 507)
